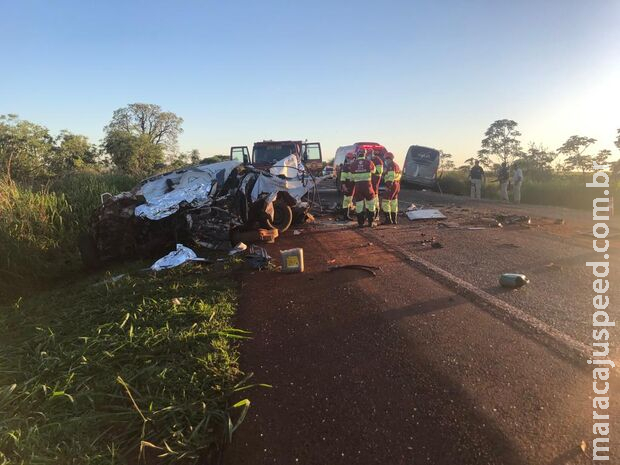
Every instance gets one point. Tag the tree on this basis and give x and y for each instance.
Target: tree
(139, 136)
(446, 163)
(72, 151)
(500, 141)
(194, 156)
(615, 170)
(145, 119)
(602, 157)
(573, 150)
(215, 159)
(135, 154)
(615, 166)
(24, 148)
(537, 162)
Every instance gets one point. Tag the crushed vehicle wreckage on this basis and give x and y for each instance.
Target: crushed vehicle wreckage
(204, 206)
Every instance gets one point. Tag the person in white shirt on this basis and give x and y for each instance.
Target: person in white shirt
(517, 180)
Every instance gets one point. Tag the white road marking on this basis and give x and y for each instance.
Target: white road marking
(562, 343)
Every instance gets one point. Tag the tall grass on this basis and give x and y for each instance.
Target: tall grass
(83, 192)
(33, 235)
(562, 191)
(100, 374)
(39, 227)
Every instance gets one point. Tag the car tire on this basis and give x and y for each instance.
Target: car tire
(282, 217)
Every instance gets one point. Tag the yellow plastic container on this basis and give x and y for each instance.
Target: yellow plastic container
(292, 260)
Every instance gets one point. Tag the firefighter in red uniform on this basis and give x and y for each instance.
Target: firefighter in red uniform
(376, 178)
(364, 197)
(392, 175)
(347, 186)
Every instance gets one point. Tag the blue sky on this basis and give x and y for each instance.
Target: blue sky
(431, 73)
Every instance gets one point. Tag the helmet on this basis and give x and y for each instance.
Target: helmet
(350, 155)
(361, 153)
(389, 155)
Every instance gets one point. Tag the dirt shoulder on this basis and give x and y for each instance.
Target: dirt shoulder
(395, 369)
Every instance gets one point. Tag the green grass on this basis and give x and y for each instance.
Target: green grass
(83, 191)
(39, 227)
(106, 373)
(562, 191)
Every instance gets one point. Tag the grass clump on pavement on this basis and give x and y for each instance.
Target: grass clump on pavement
(121, 371)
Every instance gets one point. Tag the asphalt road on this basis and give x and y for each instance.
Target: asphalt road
(396, 368)
(552, 255)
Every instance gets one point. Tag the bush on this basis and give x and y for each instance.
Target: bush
(457, 183)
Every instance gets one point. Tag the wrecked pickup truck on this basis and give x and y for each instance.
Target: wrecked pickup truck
(204, 206)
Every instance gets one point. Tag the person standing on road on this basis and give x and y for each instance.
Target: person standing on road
(517, 180)
(376, 178)
(364, 197)
(392, 175)
(503, 177)
(347, 186)
(476, 176)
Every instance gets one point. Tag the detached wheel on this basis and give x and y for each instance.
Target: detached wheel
(282, 217)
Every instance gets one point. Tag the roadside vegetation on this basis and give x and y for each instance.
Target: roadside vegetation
(95, 369)
(40, 225)
(552, 177)
(568, 190)
(107, 372)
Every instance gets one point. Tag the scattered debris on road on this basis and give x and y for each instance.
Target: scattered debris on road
(425, 214)
(554, 266)
(368, 268)
(242, 234)
(448, 225)
(513, 219)
(175, 258)
(258, 258)
(240, 247)
(513, 280)
(292, 260)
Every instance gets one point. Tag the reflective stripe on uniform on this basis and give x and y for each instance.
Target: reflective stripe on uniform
(347, 201)
(371, 205)
(359, 177)
(392, 176)
(389, 206)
